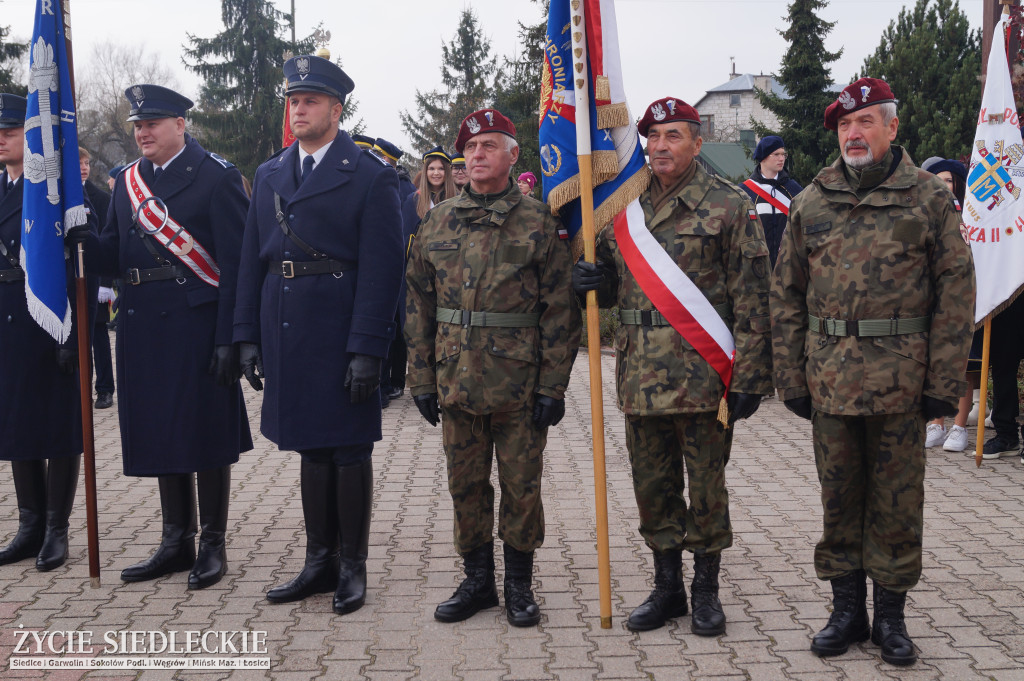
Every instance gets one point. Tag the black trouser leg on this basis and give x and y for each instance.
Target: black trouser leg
(30, 488)
(355, 502)
(320, 572)
(214, 488)
(177, 550)
(61, 484)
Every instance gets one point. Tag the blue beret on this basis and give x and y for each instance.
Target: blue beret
(437, 152)
(767, 146)
(12, 111)
(388, 149)
(953, 166)
(308, 73)
(153, 101)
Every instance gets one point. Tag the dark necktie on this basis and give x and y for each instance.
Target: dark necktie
(307, 167)
(157, 170)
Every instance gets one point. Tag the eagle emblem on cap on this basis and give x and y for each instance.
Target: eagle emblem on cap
(864, 90)
(847, 100)
(138, 92)
(671, 104)
(473, 125)
(490, 118)
(302, 65)
(658, 111)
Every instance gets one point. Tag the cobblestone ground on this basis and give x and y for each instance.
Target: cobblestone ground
(966, 616)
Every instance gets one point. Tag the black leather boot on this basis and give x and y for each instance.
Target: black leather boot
(849, 620)
(177, 550)
(320, 572)
(355, 502)
(708, 618)
(477, 591)
(889, 630)
(61, 484)
(520, 607)
(667, 600)
(30, 489)
(211, 564)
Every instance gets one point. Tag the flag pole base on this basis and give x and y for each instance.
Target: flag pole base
(606, 622)
(94, 582)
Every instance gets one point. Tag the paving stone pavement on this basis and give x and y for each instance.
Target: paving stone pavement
(966, 616)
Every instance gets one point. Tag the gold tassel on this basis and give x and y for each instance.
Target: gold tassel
(602, 89)
(564, 193)
(723, 413)
(612, 116)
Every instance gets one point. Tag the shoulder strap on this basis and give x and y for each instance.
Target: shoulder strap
(290, 233)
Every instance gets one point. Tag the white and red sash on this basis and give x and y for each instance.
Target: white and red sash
(677, 298)
(189, 251)
(779, 200)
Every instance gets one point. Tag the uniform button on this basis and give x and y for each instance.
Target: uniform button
(846, 266)
(163, 314)
(467, 284)
(131, 232)
(291, 217)
(842, 359)
(131, 311)
(287, 254)
(472, 244)
(841, 407)
(455, 347)
(10, 319)
(494, 349)
(465, 368)
(287, 289)
(285, 325)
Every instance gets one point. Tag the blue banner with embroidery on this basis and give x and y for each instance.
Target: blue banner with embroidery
(53, 188)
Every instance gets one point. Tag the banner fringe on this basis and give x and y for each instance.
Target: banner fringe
(564, 193)
(614, 115)
(75, 216)
(60, 329)
(1001, 307)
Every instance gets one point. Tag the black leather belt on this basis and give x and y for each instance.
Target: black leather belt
(136, 276)
(301, 268)
(12, 275)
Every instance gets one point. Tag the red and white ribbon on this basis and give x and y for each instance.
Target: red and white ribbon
(780, 201)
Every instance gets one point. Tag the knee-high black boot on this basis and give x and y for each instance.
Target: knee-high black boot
(355, 501)
(320, 572)
(61, 484)
(177, 550)
(30, 488)
(212, 560)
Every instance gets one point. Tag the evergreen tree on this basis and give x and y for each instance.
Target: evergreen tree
(931, 59)
(241, 103)
(10, 53)
(806, 76)
(467, 80)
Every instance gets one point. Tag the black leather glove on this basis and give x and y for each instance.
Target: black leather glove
(67, 358)
(224, 365)
(935, 408)
(76, 235)
(547, 411)
(429, 409)
(587, 276)
(250, 363)
(742, 405)
(801, 406)
(362, 377)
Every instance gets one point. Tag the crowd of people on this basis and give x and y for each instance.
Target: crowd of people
(339, 280)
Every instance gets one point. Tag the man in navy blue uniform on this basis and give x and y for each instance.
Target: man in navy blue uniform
(322, 263)
(40, 419)
(174, 235)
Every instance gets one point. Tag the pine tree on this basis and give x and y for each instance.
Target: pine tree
(931, 59)
(10, 53)
(806, 76)
(467, 80)
(241, 105)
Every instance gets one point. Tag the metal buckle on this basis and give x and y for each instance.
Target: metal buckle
(467, 318)
(825, 331)
(894, 324)
(288, 269)
(133, 276)
(646, 318)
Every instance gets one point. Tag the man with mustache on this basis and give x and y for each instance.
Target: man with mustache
(872, 309)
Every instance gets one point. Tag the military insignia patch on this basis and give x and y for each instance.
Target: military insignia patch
(490, 118)
(864, 90)
(563, 233)
(752, 214)
(443, 246)
(220, 159)
(847, 101)
(138, 92)
(671, 104)
(302, 65)
(473, 125)
(658, 111)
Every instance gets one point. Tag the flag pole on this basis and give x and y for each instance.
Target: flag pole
(983, 396)
(582, 101)
(84, 358)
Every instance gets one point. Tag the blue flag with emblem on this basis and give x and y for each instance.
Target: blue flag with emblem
(620, 172)
(53, 189)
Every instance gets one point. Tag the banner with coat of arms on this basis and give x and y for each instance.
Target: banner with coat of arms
(993, 216)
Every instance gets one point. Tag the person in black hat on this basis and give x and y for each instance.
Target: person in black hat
(460, 175)
(321, 268)
(112, 177)
(181, 411)
(41, 374)
(771, 189)
(363, 141)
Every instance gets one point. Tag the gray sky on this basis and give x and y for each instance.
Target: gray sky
(675, 48)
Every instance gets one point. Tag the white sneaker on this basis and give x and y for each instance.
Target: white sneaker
(988, 421)
(935, 435)
(956, 441)
(972, 418)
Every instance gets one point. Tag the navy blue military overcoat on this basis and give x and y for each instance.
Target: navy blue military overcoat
(174, 417)
(40, 416)
(310, 326)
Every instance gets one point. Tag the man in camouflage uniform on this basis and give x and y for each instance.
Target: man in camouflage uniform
(872, 304)
(492, 330)
(669, 392)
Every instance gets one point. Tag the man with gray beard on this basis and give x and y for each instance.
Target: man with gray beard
(872, 310)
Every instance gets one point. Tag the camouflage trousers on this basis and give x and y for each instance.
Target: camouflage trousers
(660, 447)
(871, 470)
(470, 443)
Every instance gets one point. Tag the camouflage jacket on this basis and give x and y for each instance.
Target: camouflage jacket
(505, 257)
(898, 253)
(710, 231)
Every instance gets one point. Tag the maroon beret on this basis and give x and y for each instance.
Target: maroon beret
(860, 94)
(667, 110)
(479, 122)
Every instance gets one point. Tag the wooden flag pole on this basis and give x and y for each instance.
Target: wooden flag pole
(84, 358)
(983, 397)
(582, 102)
